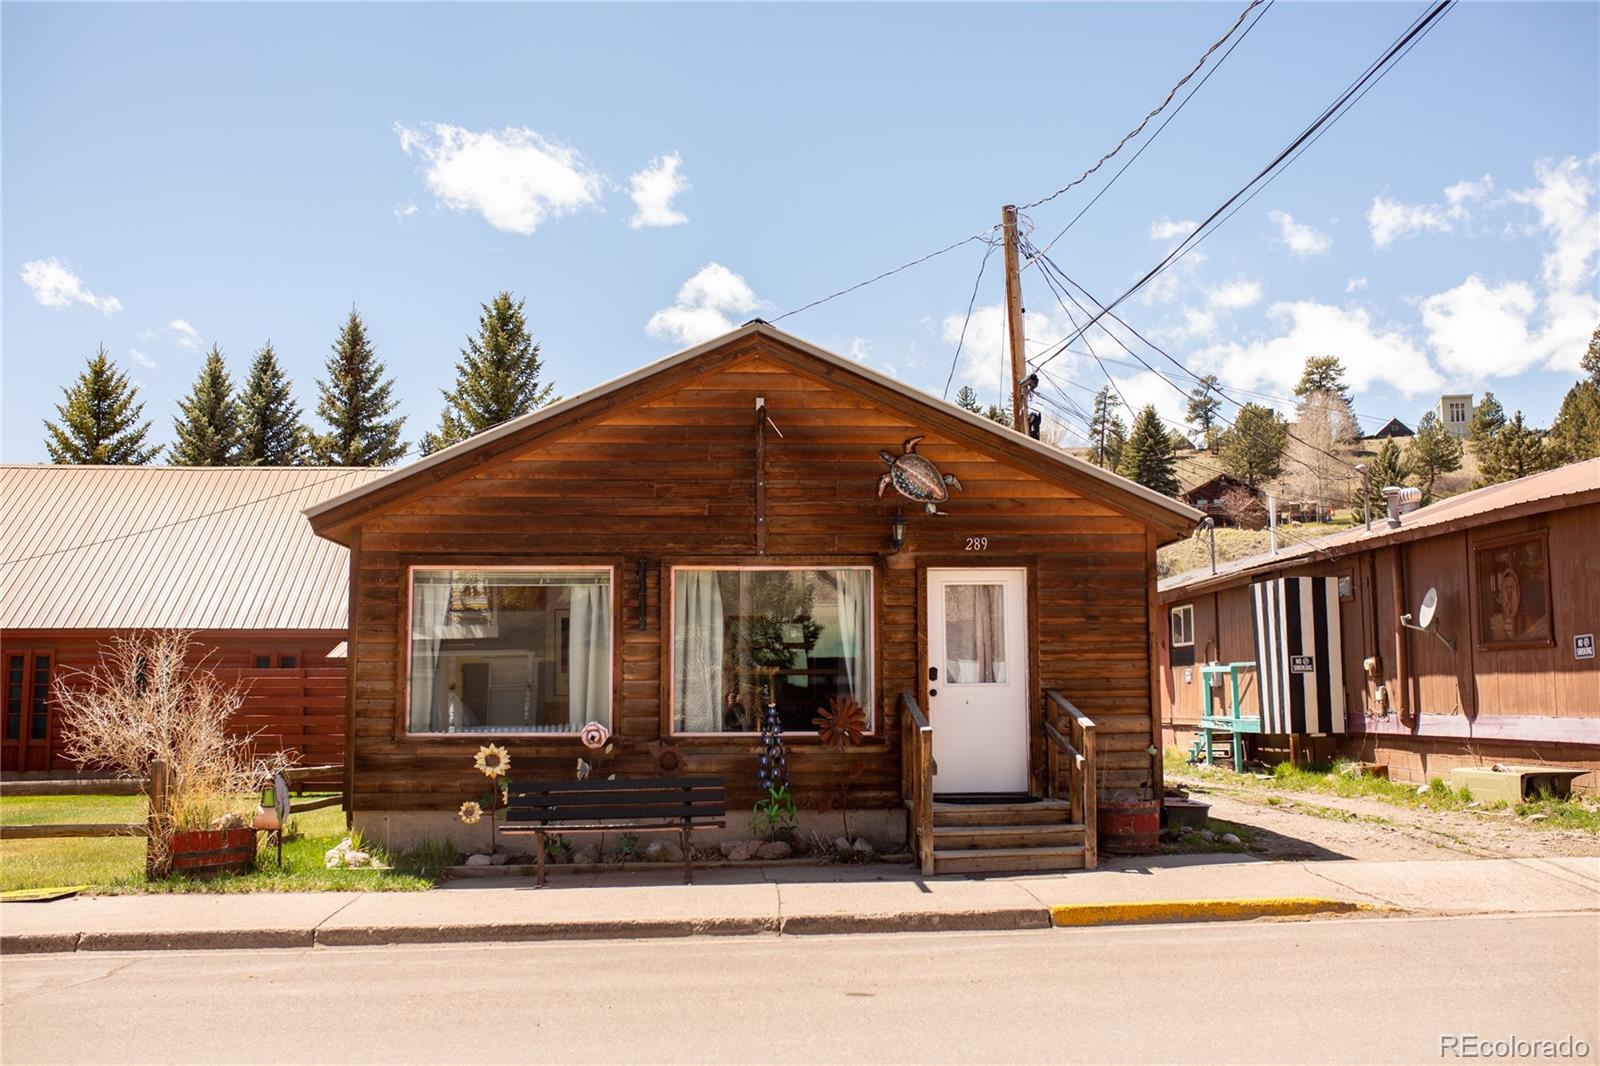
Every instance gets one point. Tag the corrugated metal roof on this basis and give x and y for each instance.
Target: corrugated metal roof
(1477, 507)
(101, 547)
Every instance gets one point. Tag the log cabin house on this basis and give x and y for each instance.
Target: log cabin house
(91, 552)
(1517, 593)
(634, 554)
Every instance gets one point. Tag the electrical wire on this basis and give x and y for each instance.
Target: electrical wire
(887, 273)
(973, 302)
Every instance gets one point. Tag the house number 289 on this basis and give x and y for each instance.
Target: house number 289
(977, 544)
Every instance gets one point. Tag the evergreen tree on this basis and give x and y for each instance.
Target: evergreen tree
(101, 420)
(967, 400)
(1252, 450)
(1432, 453)
(1204, 407)
(996, 413)
(355, 402)
(1386, 468)
(1591, 358)
(1487, 419)
(270, 432)
(1116, 440)
(208, 421)
(1148, 456)
(1575, 434)
(1106, 430)
(497, 378)
(1323, 373)
(1516, 451)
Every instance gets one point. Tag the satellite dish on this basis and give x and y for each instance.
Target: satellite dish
(1430, 604)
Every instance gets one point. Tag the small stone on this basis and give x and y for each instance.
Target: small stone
(663, 851)
(864, 848)
(1422, 790)
(479, 860)
(843, 846)
(728, 847)
(752, 846)
(1539, 817)
(739, 854)
(778, 849)
(357, 859)
(586, 855)
(1208, 836)
(1230, 838)
(498, 859)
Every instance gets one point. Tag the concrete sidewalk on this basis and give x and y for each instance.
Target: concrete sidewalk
(798, 900)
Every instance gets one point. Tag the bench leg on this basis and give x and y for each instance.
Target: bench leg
(688, 859)
(540, 838)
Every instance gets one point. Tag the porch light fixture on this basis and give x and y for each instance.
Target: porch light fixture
(897, 530)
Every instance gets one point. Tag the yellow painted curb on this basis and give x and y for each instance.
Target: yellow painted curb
(1197, 910)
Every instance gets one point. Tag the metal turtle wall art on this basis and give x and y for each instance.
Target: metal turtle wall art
(916, 478)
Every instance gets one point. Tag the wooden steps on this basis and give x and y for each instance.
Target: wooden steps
(1006, 837)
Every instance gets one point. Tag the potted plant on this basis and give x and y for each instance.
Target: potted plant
(150, 701)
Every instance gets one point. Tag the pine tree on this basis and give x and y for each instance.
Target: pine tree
(497, 378)
(1591, 358)
(1204, 407)
(1487, 419)
(207, 425)
(967, 400)
(355, 402)
(1432, 453)
(1516, 451)
(1148, 456)
(1575, 434)
(1386, 468)
(1252, 450)
(270, 430)
(995, 413)
(101, 420)
(1116, 440)
(1324, 373)
(1104, 441)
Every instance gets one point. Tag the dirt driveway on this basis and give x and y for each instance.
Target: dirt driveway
(1301, 825)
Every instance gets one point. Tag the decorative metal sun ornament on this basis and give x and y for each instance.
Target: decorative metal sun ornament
(916, 478)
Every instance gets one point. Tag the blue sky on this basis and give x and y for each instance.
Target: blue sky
(175, 176)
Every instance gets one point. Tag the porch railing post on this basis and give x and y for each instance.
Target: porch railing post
(157, 853)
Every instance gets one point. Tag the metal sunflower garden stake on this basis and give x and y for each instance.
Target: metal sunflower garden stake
(493, 762)
(841, 725)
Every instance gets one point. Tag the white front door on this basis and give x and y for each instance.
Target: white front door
(978, 679)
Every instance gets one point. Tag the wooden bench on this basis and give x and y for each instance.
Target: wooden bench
(648, 805)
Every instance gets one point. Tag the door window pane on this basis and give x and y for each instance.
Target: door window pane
(14, 679)
(975, 634)
(510, 651)
(40, 729)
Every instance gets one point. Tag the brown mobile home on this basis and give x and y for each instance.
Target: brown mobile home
(634, 555)
(1505, 672)
(88, 552)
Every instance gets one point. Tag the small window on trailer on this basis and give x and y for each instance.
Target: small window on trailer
(263, 662)
(1183, 626)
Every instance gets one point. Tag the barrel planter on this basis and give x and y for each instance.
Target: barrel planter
(208, 852)
(1130, 828)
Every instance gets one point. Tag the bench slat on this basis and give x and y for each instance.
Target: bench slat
(595, 814)
(517, 788)
(631, 799)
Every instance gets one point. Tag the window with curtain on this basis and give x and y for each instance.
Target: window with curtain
(802, 637)
(510, 651)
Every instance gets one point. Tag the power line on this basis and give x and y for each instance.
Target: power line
(1131, 134)
(973, 302)
(887, 273)
(1329, 115)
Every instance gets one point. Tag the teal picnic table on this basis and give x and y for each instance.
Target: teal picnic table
(1233, 722)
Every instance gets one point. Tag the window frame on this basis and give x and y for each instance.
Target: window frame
(403, 730)
(1173, 613)
(669, 644)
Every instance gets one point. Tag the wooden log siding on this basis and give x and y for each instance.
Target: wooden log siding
(670, 476)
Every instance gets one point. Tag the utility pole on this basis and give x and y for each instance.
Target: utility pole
(1019, 357)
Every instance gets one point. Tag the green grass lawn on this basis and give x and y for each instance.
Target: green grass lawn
(116, 865)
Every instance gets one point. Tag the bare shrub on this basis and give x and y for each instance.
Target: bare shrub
(1243, 507)
(145, 700)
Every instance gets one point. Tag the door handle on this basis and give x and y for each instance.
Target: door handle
(933, 673)
(932, 692)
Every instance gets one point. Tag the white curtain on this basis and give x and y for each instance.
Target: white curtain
(855, 621)
(430, 603)
(697, 694)
(588, 665)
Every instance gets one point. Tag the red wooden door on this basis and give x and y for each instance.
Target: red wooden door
(26, 727)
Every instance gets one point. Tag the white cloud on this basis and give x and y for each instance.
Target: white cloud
(188, 336)
(860, 349)
(1567, 215)
(1370, 353)
(1391, 220)
(653, 189)
(704, 305)
(1147, 388)
(516, 178)
(404, 211)
(1167, 229)
(1234, 295)
(985, 355)
(141, 360)
(55, 285)
(1355, 284)
(1478, 330)
(1301, 239)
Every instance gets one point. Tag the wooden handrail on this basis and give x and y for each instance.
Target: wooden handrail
(917, 778)
(1083, 784)
(1064, 744)
(1066, 705)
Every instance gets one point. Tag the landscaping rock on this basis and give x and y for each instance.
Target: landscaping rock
(778, 849)
(586, 855)
(1230, 838)
(231, 820)
(728, 847)
(739, 853)
(479, 860)
(663, 851)
(1208, 836)
(499, 859)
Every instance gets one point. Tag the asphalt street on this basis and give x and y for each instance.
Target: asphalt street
(1327, 990)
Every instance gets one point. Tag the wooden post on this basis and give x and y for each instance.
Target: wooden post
(1019, 356)
(157, 853)
(761, 476)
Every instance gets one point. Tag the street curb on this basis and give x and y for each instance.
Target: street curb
(1200, 910)
(917, 922)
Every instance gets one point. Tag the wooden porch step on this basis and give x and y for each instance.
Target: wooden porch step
(1007, 860)
(1044, 812)
(1006, 836)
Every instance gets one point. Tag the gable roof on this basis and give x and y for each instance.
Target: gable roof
(135, 547)
(1115, 490)
(1567, 486)
(1392, 428)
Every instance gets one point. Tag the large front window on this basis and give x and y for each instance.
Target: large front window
(510, 651)
(798, 637)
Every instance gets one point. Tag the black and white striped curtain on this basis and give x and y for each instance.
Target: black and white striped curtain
(1299, 655)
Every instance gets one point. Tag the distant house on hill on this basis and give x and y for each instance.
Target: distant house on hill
(1392, 428)
(1455, 411)
(1208, 498)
